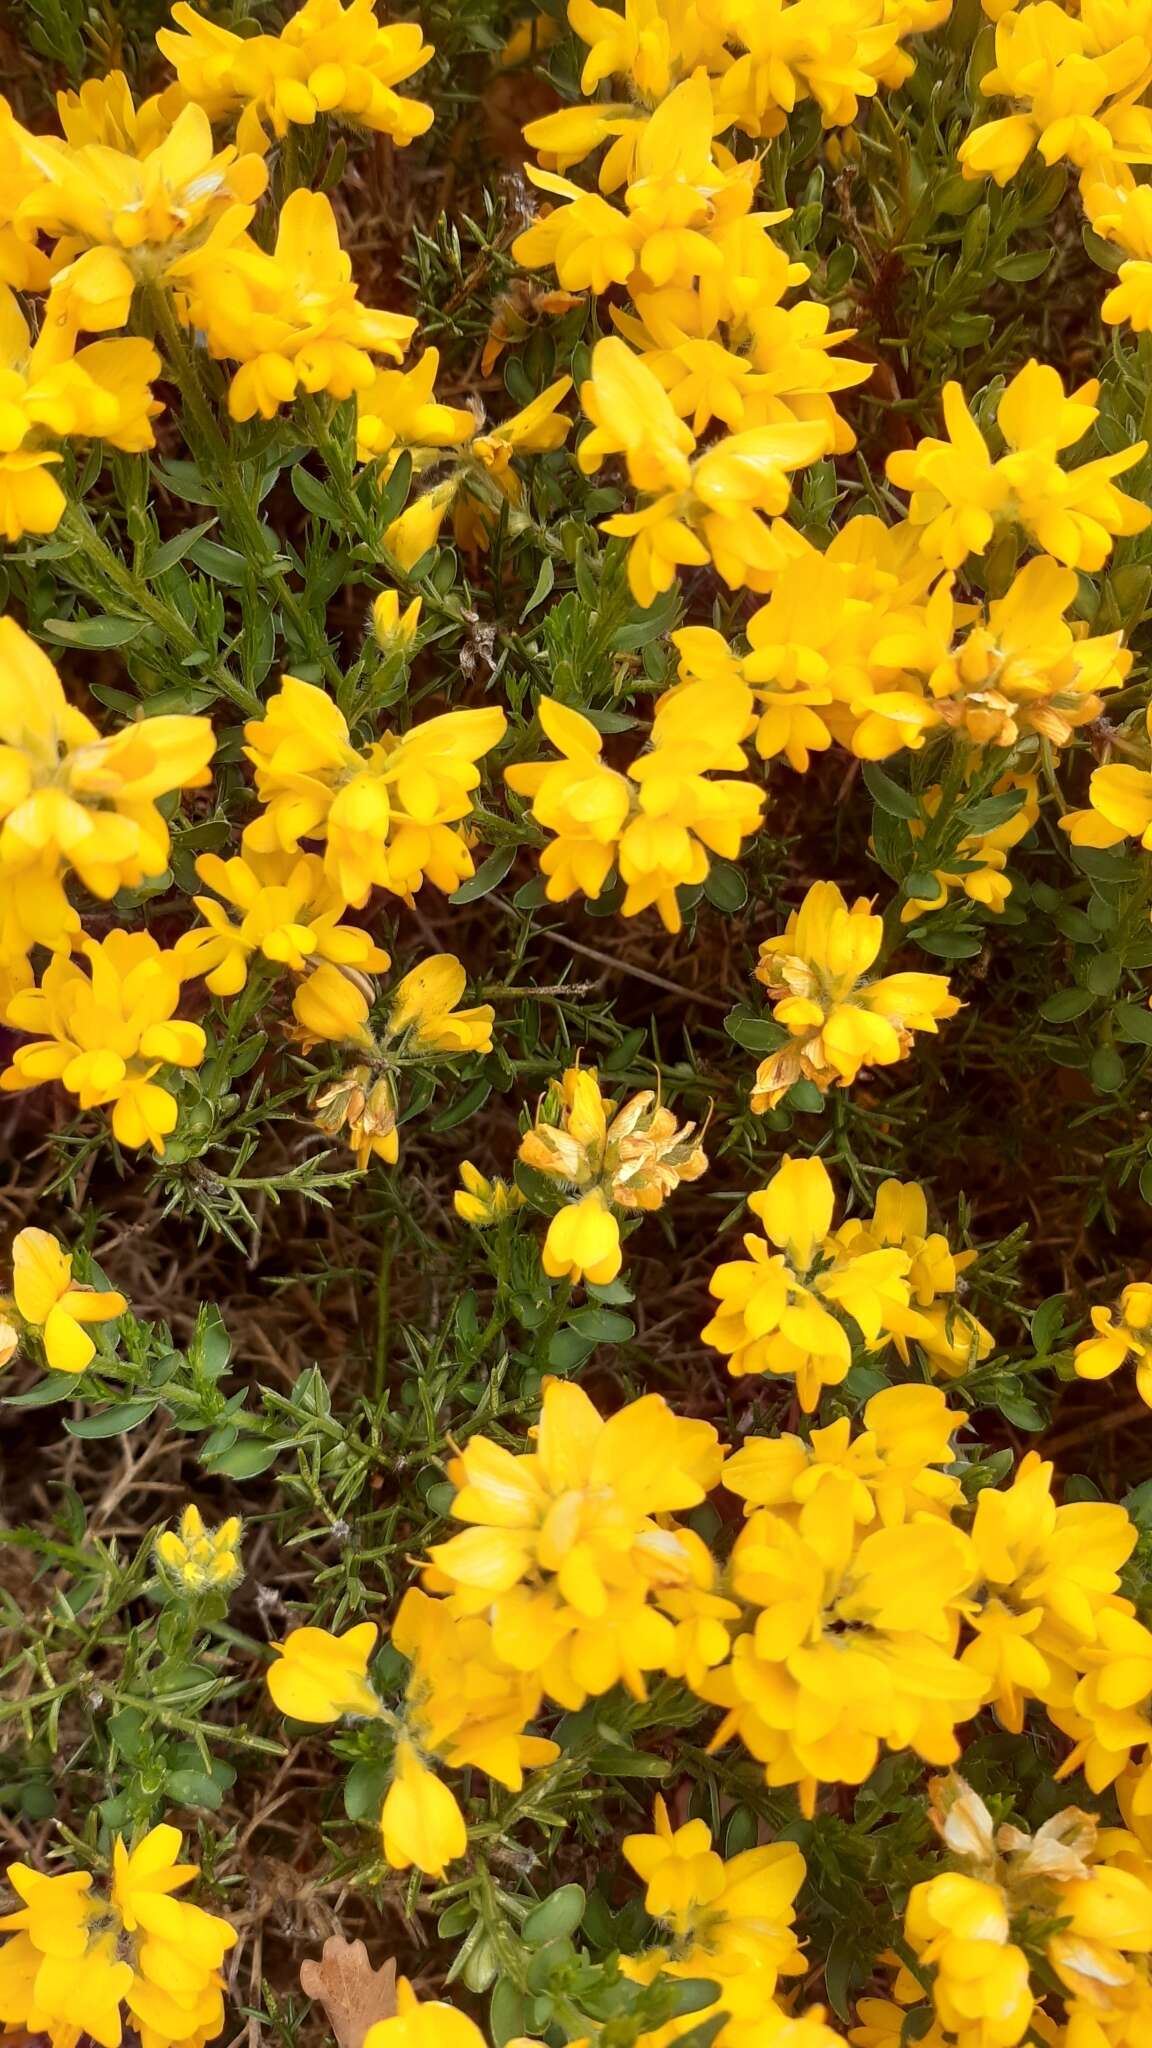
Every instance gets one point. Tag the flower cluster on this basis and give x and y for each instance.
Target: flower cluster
(854, 646)
(328, 59)
(75, 802)
(1092, 1886)
(806, 1296)
(960, 493)
(837, 1020)
(710, 341)
(658, 822)
(389, 816)
(728, 1921)
(607, 1162)
(200, 1560)
(103, 1023)
(421, 1024)
(1078, 83)
(77, 1959)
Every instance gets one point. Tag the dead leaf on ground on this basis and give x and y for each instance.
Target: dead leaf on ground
(353, 1994)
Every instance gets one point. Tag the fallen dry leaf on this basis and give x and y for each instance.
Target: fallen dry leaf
(353, 1994)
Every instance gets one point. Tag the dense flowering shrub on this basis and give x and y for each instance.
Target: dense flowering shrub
(638, 650)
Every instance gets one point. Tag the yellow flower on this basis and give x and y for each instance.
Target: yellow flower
(838, 1021)
(569, 1552)
(23, 264)
(887, 1472)
(423, 2023)
(120, 217)
(583, 1242)
(329, 1005)
(423, 1016)
(72, 800)
(102, 392)
(199, 1559)
(851, 1645)
(462, 1707)
(320, 1677)
(534, 430)
(417, 528)
(1120, 210)
(1025, 669)
(79, 1957)
(391, 627)
(960, 493)
(734, 1917)
(981, 1987)
(389, 815)
(1075, 81)
(1050, 1575)
(482, 1202)
(985, 880)
(661, 821)
(782, 1311)
(290, 316)
(704, 510)
(841, 650)
(289, 913)
(327, 59)
(1115, 1342)
(105, 1029)
(365, 1110)
(421, 1822)
(401, 407)
(47, 1300)
(606, 1158)
(1120, 806)
(947, 1333)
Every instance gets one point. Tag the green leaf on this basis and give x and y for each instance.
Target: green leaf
(246, 1460)
(314, 497)
(626, 1763)
(568, 1350)
(223, 565)
(488, 876)
(554, 1918)
(755, 1034)
(1066, 1004)
(365, 1787)
(1020, 1411)
(1133, 1023)
(948, 945)
(1107, 1069)
(172, 551)
(541, 588)
(100, 632)
(1022, 269)
(1046, 1323)
(193, 1788)
(113, 1421)
(897, 802)
(602, 1325)
(725, 887)
(472, 1099)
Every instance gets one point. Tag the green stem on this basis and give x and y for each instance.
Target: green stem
(234, 500)
(130, 589)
